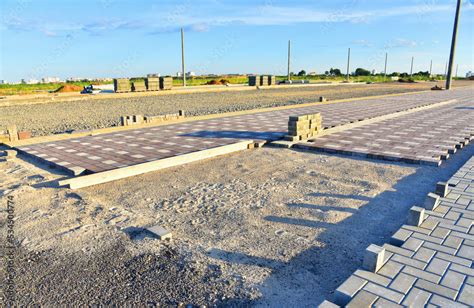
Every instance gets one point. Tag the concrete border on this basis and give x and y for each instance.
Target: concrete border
(121, 173)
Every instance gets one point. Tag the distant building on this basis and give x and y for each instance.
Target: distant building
(312, 74)
(30, 81)
(50, 79)
(190, 74)
(469, 74)
(178, 74)
(75, 79)
(3, 81)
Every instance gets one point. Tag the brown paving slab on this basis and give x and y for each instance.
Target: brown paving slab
(136, 146)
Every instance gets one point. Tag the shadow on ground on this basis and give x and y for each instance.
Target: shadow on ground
(362, 228)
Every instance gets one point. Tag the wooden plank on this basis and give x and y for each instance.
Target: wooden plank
(117, 174)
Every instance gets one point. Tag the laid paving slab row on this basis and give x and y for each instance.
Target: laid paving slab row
(136, 146)
(430, 263)
(424, 137)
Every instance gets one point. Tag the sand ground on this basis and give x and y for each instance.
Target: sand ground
(264, 227)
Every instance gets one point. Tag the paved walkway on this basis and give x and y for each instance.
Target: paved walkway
(426, 265)
(126, 148)
(425, 137)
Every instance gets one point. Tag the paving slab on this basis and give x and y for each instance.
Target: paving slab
(116, 150)
(423, 137)
(445, 276)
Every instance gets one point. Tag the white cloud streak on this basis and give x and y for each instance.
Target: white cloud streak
(267, 15)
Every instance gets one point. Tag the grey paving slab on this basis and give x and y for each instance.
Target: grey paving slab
(424, 137)
(425, 273)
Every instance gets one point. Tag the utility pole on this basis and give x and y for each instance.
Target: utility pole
(289, 60)
(457, 67)
(446, 71)
(348, 63)
(431, 67)
(385, 70)
(411, 68)
(183, 68)
(453, 46)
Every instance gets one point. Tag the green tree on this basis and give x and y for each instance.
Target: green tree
(362, 72)
(302, 73)
(335, 72)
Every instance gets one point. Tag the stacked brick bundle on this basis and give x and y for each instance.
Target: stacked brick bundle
(122, 85)
(140, 119)
(254, 80)
(132, 120)
(152, 83)
(271, 80)
(138, 86)
(304, 127)
(264, 80)
(166, 83)
(164, 118)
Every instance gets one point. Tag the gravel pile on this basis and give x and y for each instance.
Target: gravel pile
(60, 117)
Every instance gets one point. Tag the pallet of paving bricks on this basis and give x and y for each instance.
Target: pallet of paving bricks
(166, 83)
(254, 80)
(152, 83)
(122, 85)
(303, 127)
(264, 80)
(132, 120)
(271, 80)
(138, 86)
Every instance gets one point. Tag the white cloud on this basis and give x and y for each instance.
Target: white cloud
(401, 42)
(266, 15)
(363, 43)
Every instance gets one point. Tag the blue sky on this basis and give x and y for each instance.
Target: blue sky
(118, 38)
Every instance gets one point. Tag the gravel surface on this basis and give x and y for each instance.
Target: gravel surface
(115, 276)
(265, 227)
(60, 117)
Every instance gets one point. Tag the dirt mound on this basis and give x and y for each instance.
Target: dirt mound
(69, 88)
(218, 82)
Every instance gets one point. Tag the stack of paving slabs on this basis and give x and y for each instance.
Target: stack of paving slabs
(272, 80)
(254, 81)
(152, 83)
(166, 117)
(166, 83)
(122, 85)
(138, 86)
(132, 120)
(303, 127)
(264, 80)
(7, 155)
(12, 133)
(4, 137)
